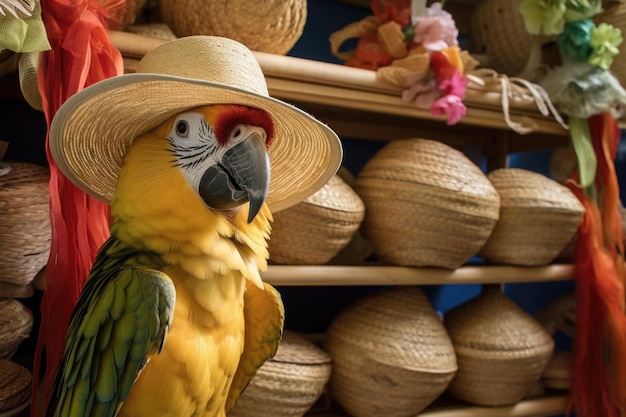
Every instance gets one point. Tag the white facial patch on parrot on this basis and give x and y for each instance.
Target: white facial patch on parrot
(194, 145)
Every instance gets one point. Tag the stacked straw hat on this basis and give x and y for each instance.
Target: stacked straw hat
(538, 218)
(317, 229)
(391, 354)
(269, 26)
(288, 384)
(426, 204)
(559, 316)
(24, 221)
(15, 381)
(16, 324)
(496, 26)
(501, 350)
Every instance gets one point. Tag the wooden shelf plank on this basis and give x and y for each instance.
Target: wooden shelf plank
(353, 101)
(373, 275)
(382, 103)
(535, 407)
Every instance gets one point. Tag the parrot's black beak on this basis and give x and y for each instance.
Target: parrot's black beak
(243, 175)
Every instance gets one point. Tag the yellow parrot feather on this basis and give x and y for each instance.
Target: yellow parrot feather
(264, 308)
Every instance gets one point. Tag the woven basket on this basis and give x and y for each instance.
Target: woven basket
(24, 222)
(615, 14)
(538, 218)
(391, 355)
(559, 315)
(270, 26)
(558, 372)
(426, 204)
(498, 31)
(15, 383)
(288, 384)
(317, 229)
(501, 350)
(15, 326)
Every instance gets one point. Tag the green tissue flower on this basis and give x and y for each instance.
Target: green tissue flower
(604, 41)
(574, 40)
(544, 17)
(582, 9)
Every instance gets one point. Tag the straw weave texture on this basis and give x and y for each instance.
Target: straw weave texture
(498, 31)
(24, 222)
(501, 350)
(15, 383)
(538, 218)
(426, 204)
(557, 374)
(317, 229)
(15, 326)
(288, 384)
(269, 26)
(391, 354)
(559, 316)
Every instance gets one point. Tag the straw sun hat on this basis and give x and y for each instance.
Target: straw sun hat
(93, 129)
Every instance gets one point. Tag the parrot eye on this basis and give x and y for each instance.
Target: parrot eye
(182, 128)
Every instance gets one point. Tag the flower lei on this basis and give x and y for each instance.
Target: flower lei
(416, 48)
(582, 86)
(578, 37)
(591, 97)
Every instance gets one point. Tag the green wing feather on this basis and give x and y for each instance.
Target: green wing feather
(264, 318)
(122, 318)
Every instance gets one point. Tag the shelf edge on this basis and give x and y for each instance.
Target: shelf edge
(343, 275)
(545, 406)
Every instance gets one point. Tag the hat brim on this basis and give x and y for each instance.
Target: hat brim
(92, 130)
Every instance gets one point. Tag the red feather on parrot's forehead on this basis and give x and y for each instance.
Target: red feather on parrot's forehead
(232, 115)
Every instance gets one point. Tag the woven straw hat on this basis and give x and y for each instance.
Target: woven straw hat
(501, 350)
(24, 222)
(496, 26)
(559, 316)
(288, 384)
(538, 218)
(93, 129)
(318, 228)
(272, 26)
(426, 204)
(16, 324)
(15, 383)
(391, 354)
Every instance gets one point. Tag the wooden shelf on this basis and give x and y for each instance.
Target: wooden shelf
(366, 275)
(535, 407)
(356, 104)
(383, 116)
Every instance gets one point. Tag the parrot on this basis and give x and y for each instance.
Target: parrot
(174, 318)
